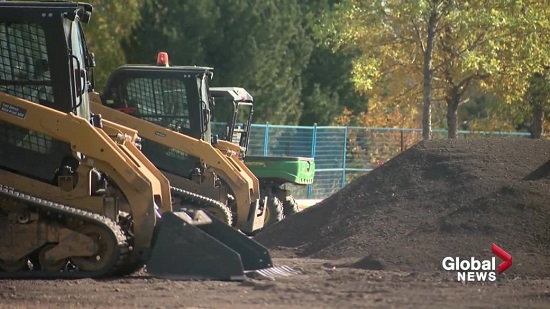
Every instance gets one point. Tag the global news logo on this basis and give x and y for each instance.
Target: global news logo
(474, 270)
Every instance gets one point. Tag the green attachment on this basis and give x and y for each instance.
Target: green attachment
(197, 246)
(295, 170)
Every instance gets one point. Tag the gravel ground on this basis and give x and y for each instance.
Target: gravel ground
(322, 284)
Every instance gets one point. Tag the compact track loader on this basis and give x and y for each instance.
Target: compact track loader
(234, 109)
(77, 197)
(170, 107)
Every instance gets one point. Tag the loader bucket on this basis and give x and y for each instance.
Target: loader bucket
(202, 248)
(254, 256)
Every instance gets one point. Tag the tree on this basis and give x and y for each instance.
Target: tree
(111, 21)
(259, 45)
(435, 50)
(390, 67)
(538, 96)
(488, 112)
(328, 88)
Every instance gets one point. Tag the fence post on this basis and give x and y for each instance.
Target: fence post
(344, 153)
(266, 138)
(314, 140)
(313, 146)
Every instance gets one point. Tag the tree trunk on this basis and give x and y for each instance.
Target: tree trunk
(452, 118)
(537, 125)
(537, 96)
(428, 77)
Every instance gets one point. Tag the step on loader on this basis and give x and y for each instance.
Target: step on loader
(170, 106)
(78, 199)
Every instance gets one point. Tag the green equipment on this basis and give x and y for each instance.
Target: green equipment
(275, 173)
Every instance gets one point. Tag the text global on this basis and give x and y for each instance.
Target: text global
(471, 270)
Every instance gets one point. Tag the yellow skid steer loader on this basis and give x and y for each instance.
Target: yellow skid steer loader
(170, 108)
(77, 196)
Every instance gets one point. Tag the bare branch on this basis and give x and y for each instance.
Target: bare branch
(418, 35)
(464, 101)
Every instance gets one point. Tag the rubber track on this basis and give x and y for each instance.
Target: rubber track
(201, 201)
(55, 209)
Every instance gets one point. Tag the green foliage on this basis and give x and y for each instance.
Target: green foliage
(328, 87)
(111, 20)
(538, 92)
(269, 47)
(489, 112)
(493, 44)
(538, 97)
(259, 45)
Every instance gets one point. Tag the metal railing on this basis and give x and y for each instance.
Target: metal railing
(342, 154)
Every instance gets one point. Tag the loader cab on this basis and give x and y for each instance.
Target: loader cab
(233, 114)
(43, 59)
(174, 97)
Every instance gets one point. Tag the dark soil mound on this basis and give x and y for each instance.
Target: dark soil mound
(437, 199)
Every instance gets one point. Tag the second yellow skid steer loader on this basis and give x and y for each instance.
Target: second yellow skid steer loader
(170, 107)
(77, 197)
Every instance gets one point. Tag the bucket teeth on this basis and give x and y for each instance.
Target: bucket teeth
(271, 272)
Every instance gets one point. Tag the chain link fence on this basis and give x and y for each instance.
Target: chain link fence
(341, 154)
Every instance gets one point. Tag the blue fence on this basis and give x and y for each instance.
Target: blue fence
(341, 153)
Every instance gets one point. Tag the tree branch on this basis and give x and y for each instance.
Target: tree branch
(453, 54)
(418, 35)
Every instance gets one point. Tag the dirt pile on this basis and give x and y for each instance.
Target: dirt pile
(437, 199)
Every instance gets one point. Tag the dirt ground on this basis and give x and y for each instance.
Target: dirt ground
(321, 285)
(377, 243)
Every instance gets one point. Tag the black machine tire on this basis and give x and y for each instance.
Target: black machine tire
(221, 212)
(290, 206)
(274, 210)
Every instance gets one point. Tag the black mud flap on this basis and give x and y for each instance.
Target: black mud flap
(196, 249)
